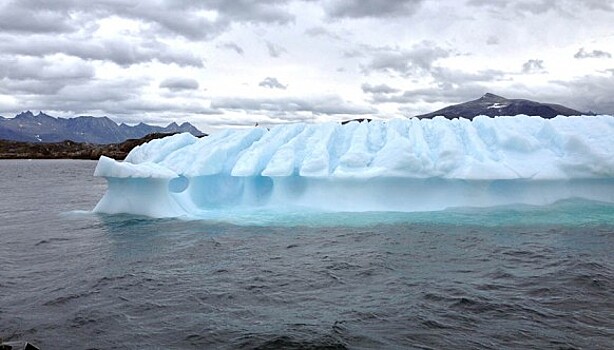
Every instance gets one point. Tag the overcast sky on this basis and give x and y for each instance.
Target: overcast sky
(220, 63)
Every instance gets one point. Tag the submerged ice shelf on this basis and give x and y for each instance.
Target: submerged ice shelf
(396, 165)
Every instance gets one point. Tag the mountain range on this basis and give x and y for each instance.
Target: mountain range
(41, 127)
(492, 105)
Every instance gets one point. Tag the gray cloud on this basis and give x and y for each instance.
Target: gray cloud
(536, 7)
(419, 59)
(321, 32)
(231, 46)
(42, 69)
(599, 5)
(49, 49)
(492, 40)
(452, 94)
(120, 98)
(378, 89)
(328, 105)
(372, 8)
(353, 53)
(38, 76)
(96, 92)
(138, 106)
(490, 3)
(82, 95)
(181, 23)
(30, 87)
(274, 50)
(119, 51)
(272, 83)
(444, 76)
(267, 11)
(533, 66)
(25, 19)
(592, 54)
(181, 17)
(179, 84)
(590, 92)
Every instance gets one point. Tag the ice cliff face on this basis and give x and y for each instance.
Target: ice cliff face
(400, 165)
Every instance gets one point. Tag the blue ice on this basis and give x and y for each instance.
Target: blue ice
(401, 165)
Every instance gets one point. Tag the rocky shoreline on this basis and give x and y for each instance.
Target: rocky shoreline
(71, 150)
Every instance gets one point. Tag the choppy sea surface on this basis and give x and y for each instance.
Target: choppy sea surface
(498, 278)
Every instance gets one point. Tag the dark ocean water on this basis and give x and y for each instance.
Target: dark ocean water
(501, 278)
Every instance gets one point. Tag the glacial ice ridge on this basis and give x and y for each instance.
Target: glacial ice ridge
(395, 165)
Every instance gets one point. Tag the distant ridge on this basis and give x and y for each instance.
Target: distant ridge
(41, 127)
(492, 105)
(70, 149)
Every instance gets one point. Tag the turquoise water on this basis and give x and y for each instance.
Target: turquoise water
(571, 212)
(485, 278)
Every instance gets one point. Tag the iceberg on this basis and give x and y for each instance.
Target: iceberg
(395, 165)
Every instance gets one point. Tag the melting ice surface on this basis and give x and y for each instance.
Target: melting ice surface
(397, 165)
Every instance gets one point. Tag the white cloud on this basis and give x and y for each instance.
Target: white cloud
(238, 62)
(329, 105)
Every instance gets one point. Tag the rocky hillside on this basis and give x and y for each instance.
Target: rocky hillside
(71, 149)
(493, 105)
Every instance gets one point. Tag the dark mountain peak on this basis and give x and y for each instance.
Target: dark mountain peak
(42, 114)
(493, 105)
(25, 115)
(184, 127)
(492, 97)
(106, 119)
